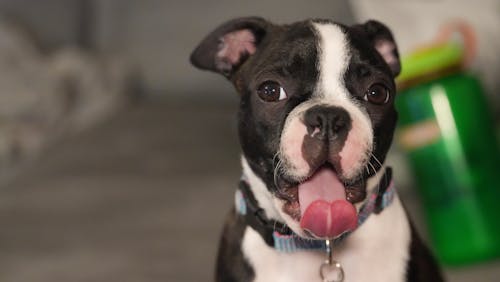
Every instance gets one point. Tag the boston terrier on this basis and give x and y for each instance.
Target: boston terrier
(316, 201)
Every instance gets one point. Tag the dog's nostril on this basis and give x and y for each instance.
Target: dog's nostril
(319, 124)
(314, 124)
(339, 123)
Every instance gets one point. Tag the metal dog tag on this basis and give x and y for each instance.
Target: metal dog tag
(331, 270)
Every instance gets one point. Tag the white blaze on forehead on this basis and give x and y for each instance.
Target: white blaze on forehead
(333, 60)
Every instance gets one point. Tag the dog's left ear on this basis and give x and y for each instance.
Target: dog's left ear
(228, 46)
(381, 38)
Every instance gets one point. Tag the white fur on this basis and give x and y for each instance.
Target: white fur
(260, 192)
(294, 165)
(359, 143)
(377, 251)
(333, 61)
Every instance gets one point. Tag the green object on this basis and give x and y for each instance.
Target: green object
(449, 137)
(430, 59)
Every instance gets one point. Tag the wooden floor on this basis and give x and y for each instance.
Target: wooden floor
(140, 197)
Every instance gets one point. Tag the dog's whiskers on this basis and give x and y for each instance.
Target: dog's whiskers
(380, 163)
(366, 168)
(376, 159)
(275, 156)
(373, 167)
(275, 173)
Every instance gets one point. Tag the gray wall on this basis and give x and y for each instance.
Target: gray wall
(159, 35)
(53, 22)
(156, 35)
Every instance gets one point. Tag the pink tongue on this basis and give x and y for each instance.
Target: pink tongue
(325, 211)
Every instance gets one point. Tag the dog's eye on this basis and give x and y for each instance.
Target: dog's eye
(271, 91)
(377, 94)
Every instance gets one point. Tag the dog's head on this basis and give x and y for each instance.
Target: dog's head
(316, 114)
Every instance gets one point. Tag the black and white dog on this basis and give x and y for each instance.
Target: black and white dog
(316, 120)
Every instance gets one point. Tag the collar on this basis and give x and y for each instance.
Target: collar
(279, 236)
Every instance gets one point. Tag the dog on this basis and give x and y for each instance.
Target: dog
(316, 119)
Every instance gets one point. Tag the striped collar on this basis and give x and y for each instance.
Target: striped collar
(279, 236)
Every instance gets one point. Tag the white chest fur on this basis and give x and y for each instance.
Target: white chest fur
(376, 251)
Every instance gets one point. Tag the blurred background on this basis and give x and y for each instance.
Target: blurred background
(119, 160)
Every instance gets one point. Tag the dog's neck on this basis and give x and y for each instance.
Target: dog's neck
(256, 203)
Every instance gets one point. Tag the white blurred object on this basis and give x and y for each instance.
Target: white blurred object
(415, 23)
(88, 87)
(42, 95)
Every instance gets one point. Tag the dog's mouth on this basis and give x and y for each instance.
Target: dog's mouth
(323, 203)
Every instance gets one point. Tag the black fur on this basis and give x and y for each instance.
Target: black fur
(288, 55)
(421, 267)
(231, 264)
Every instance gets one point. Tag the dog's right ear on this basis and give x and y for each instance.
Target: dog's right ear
(228, 46)
(383, 41)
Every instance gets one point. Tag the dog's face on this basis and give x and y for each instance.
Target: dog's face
(316, 115)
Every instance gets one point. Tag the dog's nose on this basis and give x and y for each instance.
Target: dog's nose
(327, 122)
